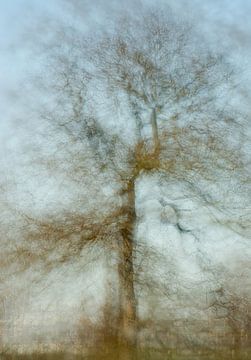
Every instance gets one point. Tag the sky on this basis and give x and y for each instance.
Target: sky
(227, 24)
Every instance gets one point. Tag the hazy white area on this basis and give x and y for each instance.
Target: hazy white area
(227, 25)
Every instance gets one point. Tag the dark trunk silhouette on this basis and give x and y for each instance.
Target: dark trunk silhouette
(127, 301)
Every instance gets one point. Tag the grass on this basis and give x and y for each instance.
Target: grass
(147, 354)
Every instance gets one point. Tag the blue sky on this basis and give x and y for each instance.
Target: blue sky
(226, 22)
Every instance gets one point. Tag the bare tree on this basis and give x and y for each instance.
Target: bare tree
(229, 300)
(152, 79)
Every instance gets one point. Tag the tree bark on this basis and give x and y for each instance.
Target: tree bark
(127, 301)
(155, 134)
(236, 347)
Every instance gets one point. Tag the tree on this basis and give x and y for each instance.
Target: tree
(229, 300)
(149, 78)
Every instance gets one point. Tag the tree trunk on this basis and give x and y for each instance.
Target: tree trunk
(155, 134)
(236, 348)
(127, 301)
